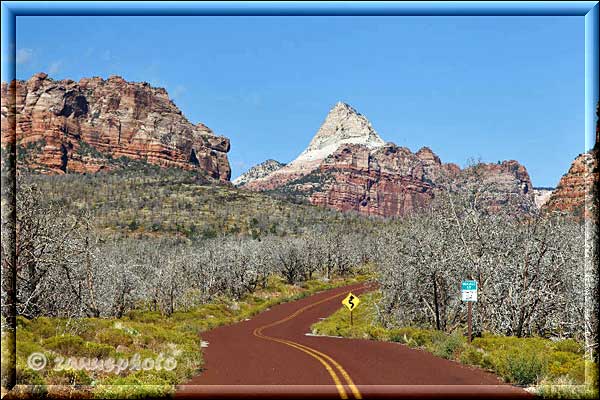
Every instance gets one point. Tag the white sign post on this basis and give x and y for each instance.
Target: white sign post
(469, 294)
(469, 290)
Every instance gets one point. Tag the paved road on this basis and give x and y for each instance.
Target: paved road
(270, 356)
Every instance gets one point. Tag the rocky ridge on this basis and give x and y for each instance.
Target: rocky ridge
(574, 193)
(393, 181)
(343, 125)
(364, 174)
(86, 126)
(258, 171)
(577, 191)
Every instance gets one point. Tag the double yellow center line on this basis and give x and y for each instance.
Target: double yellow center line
(324, 359)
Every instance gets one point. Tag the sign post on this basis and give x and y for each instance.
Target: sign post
(469, 294)
(351, 301)
(470, 326)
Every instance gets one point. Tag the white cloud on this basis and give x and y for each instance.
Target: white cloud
(24, 56)
(240, 164)
(107, 55)
(253, 99)
(178, 91)
(54, 67)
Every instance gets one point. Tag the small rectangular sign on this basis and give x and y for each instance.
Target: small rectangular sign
(469, 290)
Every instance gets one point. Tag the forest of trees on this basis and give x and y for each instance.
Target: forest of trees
(531, 268)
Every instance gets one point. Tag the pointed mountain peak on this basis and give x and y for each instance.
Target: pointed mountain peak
(341, 106)
(342, 125)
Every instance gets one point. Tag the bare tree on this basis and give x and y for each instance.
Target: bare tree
(526, 266)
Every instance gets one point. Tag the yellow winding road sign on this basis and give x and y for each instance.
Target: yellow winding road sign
(351, 301)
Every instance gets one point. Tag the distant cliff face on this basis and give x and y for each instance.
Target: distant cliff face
(388, 181)
(348, 167)
(85, 126)
(577, 191)
(393, 181)
(257, 172)
(574, 193)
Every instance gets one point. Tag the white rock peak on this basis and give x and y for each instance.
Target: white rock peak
(258, 171)
(342, 125)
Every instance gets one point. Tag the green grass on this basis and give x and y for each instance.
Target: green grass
(144, 332)
(557, 368)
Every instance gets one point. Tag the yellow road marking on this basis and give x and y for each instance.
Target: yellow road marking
(345, 374)
(336, 379)
(313, 352)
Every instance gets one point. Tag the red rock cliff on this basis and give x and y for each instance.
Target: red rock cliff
(67, 126)
(576, 193)
(574, 189)
(348, 167)
(393, 181)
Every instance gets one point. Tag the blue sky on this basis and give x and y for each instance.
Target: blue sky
(493, 88)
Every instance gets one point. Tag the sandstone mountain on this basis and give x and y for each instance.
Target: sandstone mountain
(348, 167)
(343, 125)
(573, 195)
(577, 191)
(258, 171)
(86, 126)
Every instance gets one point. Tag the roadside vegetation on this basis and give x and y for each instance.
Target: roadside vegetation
(557, 368)
(142, 331)
(141, 259)
(89, 286)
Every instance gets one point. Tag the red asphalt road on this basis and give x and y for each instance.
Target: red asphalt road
(270, 355)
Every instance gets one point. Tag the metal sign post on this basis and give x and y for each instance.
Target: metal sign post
(469, 294)
(470, 323)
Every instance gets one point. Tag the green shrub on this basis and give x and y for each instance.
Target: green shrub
(577, 371)
(27, 346)
(114, 337)
(396, 336)
(27, 376)
(414, 336)
(565, 388)
(67, 345)
(448, 346)
(523, 368)
(591, 374)
(423, 337)
(98, 350)
(43, 327)
(144, 316)
(70, 345)
(490, 362)
(22, 322)
(68, 376)
(472, 356)
(569, 345)
(132, 389)
(378, 333)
